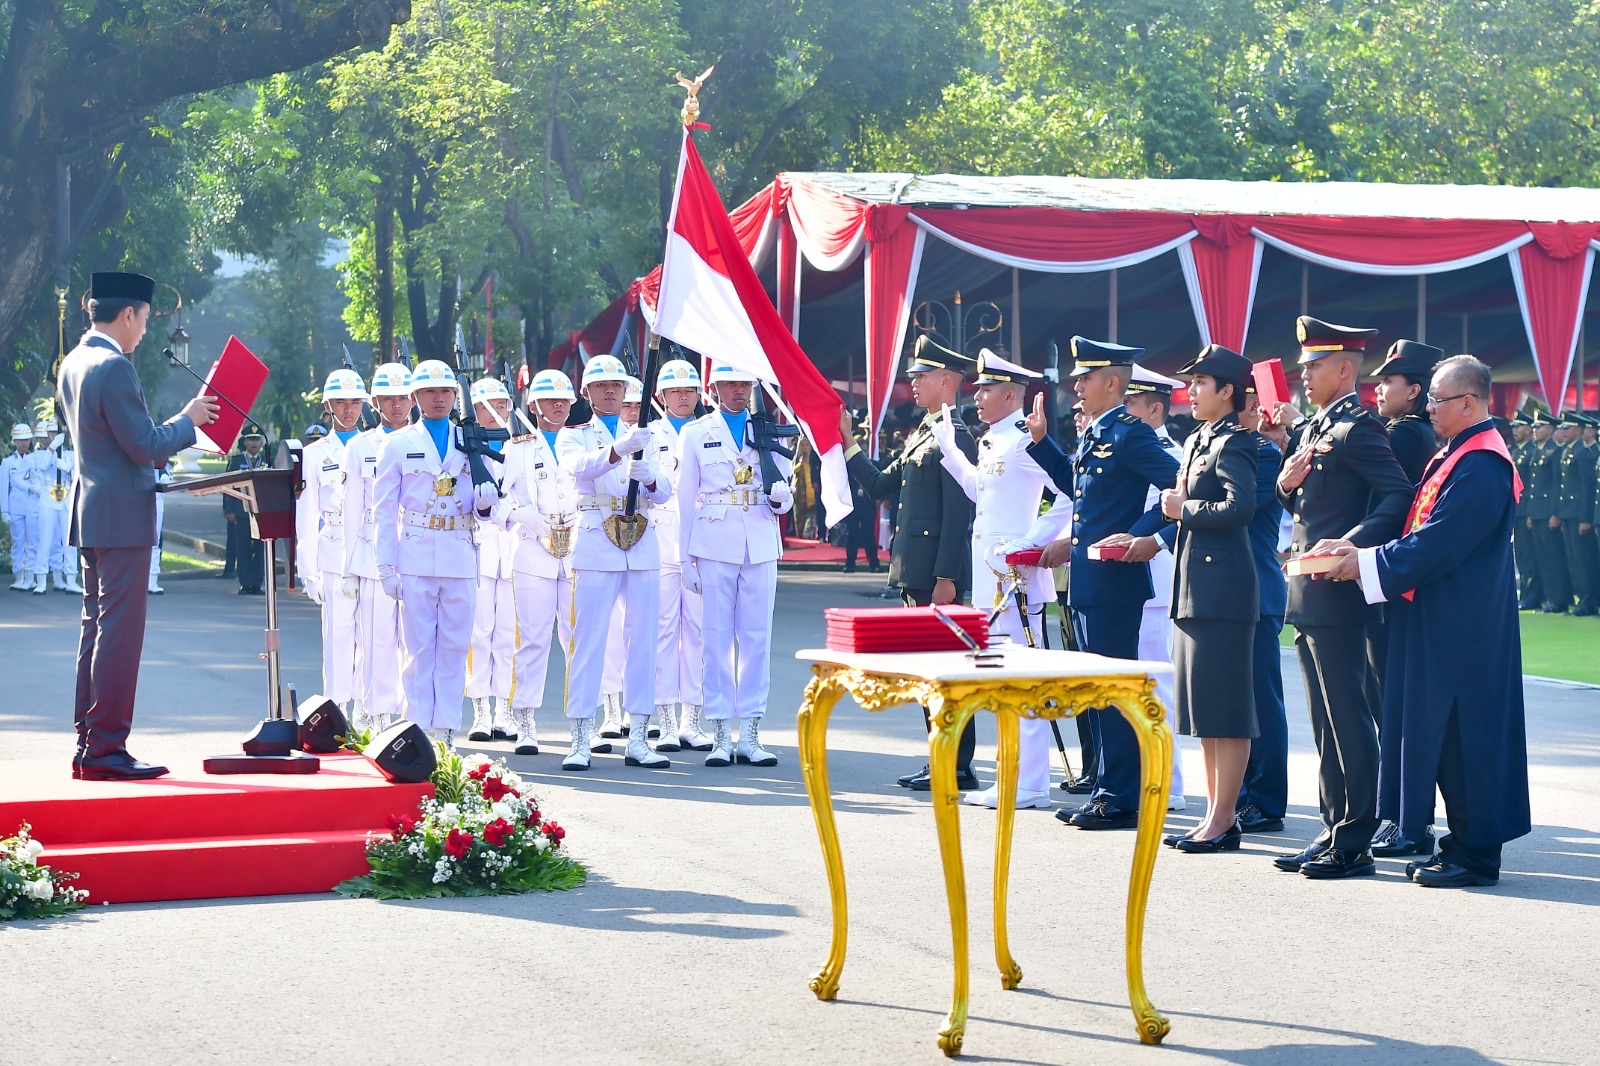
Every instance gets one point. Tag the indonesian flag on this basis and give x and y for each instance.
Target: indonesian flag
(712, 301)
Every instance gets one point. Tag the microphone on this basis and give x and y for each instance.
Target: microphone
(187, 369)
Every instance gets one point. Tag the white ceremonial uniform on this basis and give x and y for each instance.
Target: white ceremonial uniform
(319, 520)
(1155, 628)
(680, 653)
(53, 474)
(729, 531)
(604, 576)
(494, 623)
(379, 637)
(21, 510)
(1008, 486)
(614, 673)
(163, 477)
(534, 478)
(425, 530)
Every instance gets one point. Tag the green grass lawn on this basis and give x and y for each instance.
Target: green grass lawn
(176, 561)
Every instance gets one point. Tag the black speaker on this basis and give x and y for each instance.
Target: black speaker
(322, 723)
(403, 753)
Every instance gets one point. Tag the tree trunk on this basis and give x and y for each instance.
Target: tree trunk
(383, 260)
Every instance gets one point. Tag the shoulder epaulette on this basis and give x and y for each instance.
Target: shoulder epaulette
(1129, 419)
(1021, 423)
(523, 438)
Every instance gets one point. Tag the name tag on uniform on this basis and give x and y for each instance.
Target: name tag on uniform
(538, 466)
(330, 466)
(369, 459)
(712, 444)
(664, 448)
(415, 455)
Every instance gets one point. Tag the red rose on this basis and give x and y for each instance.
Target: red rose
(480, 773)
(400, 825)
(533, 818)
(554, 832)
(498, 831)
(494, 789)
(458, 844)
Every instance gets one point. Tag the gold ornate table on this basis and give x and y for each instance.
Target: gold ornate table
(1028, 683)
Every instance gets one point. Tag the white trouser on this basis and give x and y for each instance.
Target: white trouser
(541, 602)
(738, 600)
(611, 677)
(436, 614)
(494, 640)
(338, 640)
(1033, 734)
(53, 519)
(595, 594)
(155, 555)
(380, 651)
(1155, 646)
(680, 653)
(25, 541)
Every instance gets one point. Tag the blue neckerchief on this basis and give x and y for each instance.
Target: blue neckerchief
(439, 430)
(679, 423)
(386, 429)
(495, 444)
(736, 424)
(550, 437)
(610, 422)
(344, 435)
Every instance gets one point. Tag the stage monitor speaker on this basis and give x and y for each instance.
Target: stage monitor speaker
(403, 753)
(322, 724)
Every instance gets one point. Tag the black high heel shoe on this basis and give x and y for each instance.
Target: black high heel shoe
(1172, 840)
(1228, 841)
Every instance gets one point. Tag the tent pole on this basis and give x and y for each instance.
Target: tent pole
(1305, 288)
(1111, 313)
(1016, 314)
(1422, 308)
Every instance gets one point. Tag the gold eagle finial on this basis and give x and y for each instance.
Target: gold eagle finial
(691, 106)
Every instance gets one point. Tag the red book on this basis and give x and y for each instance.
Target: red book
(1107, 552)
(235, 381)
(1027, 557)
(1271, 386)
(902, 629)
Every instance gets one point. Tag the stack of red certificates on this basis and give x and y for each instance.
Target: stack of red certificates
(886, 629)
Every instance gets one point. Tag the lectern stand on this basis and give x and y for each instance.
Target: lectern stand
(268, 495)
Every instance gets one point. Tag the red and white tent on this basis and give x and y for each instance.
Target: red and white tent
(1504, 272)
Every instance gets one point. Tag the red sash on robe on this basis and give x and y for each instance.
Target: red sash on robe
(1486, 440)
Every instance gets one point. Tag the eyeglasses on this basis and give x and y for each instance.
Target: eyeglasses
(1435, 401)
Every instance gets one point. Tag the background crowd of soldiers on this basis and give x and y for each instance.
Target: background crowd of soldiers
(1558, 548)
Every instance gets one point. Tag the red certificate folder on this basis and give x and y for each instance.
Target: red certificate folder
(235, 381)
(1271, 386)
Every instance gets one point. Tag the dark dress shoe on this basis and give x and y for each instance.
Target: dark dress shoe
(1551, 608)
(1228, 841)
(1171, 840)
(1292, 863)
(1452, 875)
(1066, 814)
(966, 781)
(904, 780)
(1080, 786)
(1102, 815)
(1583, 612)
(1251, 820)
(1393, 845)
(118, 767)
(1337, 862)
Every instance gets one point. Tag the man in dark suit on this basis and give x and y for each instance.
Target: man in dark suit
(251, 567)
(1342, 483)
(930, 558)
(114, 515)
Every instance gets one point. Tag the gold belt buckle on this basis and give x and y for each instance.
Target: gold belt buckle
(435, 521)
(558, 542)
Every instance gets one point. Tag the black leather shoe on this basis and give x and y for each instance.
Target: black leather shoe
(1228, 841)
(1292, 863)
(1393, 845)
(1551, 608)
(1080, 786)
(1336, 862)
(1583, 612)
(966, 781)
(1451, 875)
(904, 780)
(1066, 814)
(1170, 840)
(1102, 815)
(1251, 820)
(1431, 862)
(118, 767)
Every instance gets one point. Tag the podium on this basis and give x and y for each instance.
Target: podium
(268, 495)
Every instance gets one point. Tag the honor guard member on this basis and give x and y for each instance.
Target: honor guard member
(1117, 462)
(1575, 508)
(729, 542)
(251, 565)
(1542, 490)
(1530, 589)
(425, 510)
(615, 559)
(21, 507)
(930, 556)
(539, 509)
(319, 519)
(1006, 487)
(1341, 483)
(680, 654)
(379, 637)
(494, 626)
(1149, 399)
(54, 482)
(1403, 403)
(612, 726)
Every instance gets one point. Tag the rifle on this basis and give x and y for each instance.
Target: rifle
(369, 417)
(767, 437)
(652, 372)
(475, 439)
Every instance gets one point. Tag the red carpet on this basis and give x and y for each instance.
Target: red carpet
(802, 550)
(191, 835)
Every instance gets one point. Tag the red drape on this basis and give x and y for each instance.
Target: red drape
(1041, 237)
(788, 276)
(1551, 274)
(1225, 258)
(1392, 245)
(894, 250)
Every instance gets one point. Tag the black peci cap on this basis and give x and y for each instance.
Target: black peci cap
(117, 285)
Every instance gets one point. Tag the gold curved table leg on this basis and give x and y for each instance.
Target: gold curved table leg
(942, 743)
(1148, 719)
(821, 694)
(1006, 759)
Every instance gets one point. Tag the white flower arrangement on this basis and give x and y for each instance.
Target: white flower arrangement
(28, 890)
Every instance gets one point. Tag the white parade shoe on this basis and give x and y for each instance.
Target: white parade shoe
(669, 729)
(361, 718)
(690, 735)
(721, 745)
(1177, 803)
(72, 585)
(21, 583)
(750, 749)
(59, 582)
(39, 588)
(611, 725)
(639, 752)
(578, 756)
(505, 728)
(154, 589)
(527, 735)
(447, 737)
(990, 798)
(481, 717)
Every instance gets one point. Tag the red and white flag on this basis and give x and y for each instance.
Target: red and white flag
(712, 301)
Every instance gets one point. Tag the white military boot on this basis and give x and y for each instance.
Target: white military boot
(669, 729)
(611, 724)
(690, 735)
(750, 749)
(578, 756)
(447, 737)
(72, 583)
(21, 583)
(59, 580)
(721, 745)
(639, 752)
(527, 735)
(39, 587)
(505, 727)
(481, 718)
(360, 717)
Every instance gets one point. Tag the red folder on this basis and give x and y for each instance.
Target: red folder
(1026, 557)
(886, 629)
(235, 381)
(1271, 386)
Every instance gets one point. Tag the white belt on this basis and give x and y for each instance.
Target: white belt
(424, 520)
(599, 501)
(730, 498)
(333, 518)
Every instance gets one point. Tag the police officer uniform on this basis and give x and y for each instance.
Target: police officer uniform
(1117, 462)
(21, 508)
(1530, 589)
(1575, 508)
(1543, 493)
(1411, 436)
(494, 623)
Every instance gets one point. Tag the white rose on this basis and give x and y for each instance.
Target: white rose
(450, 813)
(512, 780)
(42, 889)
(476, 762)
(541, 843)
(34, 850)
(502, 809)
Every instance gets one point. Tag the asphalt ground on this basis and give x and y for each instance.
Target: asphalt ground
(707, 908)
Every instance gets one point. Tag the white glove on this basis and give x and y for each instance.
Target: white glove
(944, 429)
(633, 439)
(55, 442)
(691, 576)
(351, 587)
(485, 496)
(391, 582)
(1015, 544)
(781, 495)
(313, 591)
(531, 519)
(638, 470)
